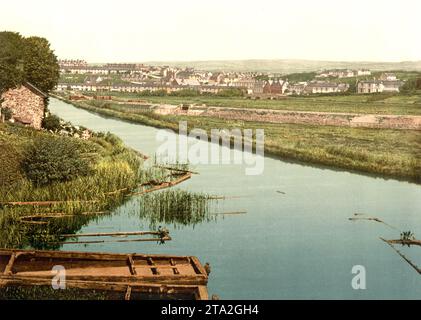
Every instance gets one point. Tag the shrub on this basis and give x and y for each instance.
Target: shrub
(185, 93)
(227, 93)
(7, 112)
(10, 165)
(54, 159)
(51, 122)
(411, 85)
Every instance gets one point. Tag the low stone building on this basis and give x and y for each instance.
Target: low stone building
(27, 104)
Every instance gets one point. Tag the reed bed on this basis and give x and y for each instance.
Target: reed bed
(177, 207)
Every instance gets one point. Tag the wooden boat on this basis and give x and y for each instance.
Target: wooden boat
(165, 276)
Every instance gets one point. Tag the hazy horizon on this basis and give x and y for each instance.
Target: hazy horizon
(239, 60)
(187, 30)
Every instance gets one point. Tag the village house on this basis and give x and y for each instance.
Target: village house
(247, 83)
(392, 85)
(274, 87)
(257, 88)
(342, 73)
(325, 87)
(186, 82)
(388, 77)
(369, 86)
(72, 63)
(376, 86)
(336, 73)
(363, 72)
(27, 104)
(84, 70)
(296, 88)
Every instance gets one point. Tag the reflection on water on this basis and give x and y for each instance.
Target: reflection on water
(175, 207)
(294, 244)
(43, 231)
(41, 227)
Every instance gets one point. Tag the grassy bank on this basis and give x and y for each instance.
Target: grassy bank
(110, 165)
(394, 104)
(389, 153)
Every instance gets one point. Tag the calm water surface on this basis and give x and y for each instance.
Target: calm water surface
(294, 245)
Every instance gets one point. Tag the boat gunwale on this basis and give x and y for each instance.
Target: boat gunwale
(199, 291)
(88, 255)
(198, 275)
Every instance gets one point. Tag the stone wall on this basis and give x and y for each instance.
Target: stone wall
(27, 106)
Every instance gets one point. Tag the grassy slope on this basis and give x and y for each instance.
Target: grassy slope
(392, 153)
(114, 166)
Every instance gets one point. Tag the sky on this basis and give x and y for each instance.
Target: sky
(187, 30)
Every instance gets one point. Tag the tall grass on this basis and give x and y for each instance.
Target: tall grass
(114, 168)
(176, 207)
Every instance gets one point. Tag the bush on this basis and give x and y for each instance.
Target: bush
(54, 159)
(412, 85)
(185, 93)
(228, 93)
(10, 163)
(7, 112)
(51, 122)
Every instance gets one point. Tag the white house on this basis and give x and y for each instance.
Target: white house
(375, 86)
(388, 77)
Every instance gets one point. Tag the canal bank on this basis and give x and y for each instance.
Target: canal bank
(363, 150)
(294, 244)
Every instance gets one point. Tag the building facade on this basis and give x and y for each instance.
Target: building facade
(27, 104)
(377, 86)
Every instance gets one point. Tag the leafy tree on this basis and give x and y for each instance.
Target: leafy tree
(411, 85)
(11, 60)
(27, 59)
(40, 64)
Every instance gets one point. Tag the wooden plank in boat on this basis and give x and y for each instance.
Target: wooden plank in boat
(110, 267)
(196, 291)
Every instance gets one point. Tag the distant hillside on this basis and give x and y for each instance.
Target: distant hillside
(288, 66)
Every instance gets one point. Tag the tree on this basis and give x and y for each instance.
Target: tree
(11, 60)
(27, 59)
(40, 64)
(411, 85)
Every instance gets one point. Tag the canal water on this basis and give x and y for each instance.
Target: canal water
(294, 244)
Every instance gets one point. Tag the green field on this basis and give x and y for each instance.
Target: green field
(365, 104)
(389, 153)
